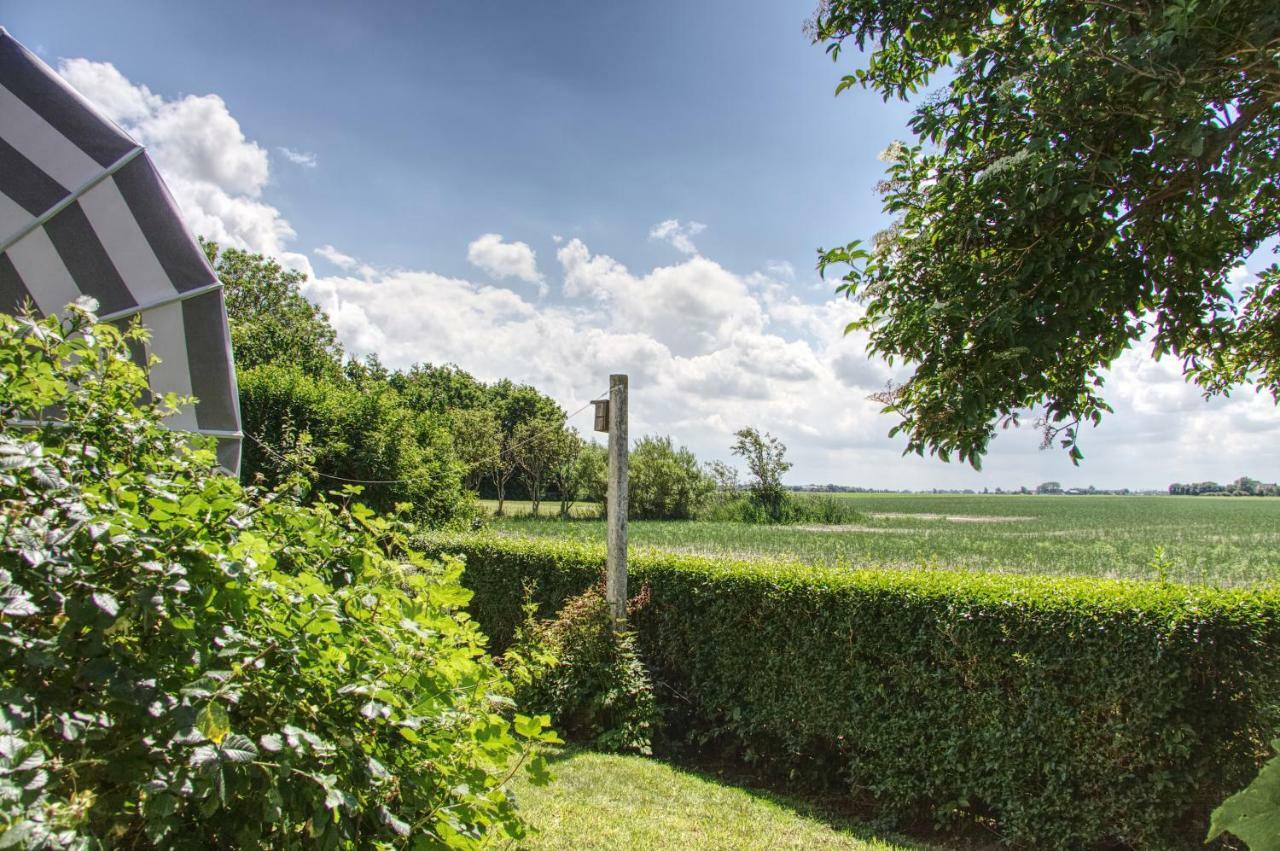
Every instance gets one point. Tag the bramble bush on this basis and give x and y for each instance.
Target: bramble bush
(186, 663)
(585, 675)
(1060, 713)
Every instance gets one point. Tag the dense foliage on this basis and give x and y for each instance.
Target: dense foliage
(1088, 177)
(664, 481)
(299, 425)
(271, 321)
(185, 663)
(585, 675)
(1062, 713)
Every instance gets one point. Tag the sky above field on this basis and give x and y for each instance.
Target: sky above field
(555, 191)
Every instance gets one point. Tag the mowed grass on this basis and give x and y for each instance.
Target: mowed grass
(1226, 541)
(629, 803)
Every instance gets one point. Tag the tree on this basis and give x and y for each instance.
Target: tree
(664, 482)
(564, 470)
(536, 445)
(477, 440)
(515, 404)
(765, 457)
(1088, 178)
(1049, 488)
(271, 321)
(724, 477)
(426, 387)
(349, 432)
(591, 473)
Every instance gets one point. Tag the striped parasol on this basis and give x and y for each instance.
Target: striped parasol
(83, 211)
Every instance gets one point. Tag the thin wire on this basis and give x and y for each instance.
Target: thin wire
(512, 448)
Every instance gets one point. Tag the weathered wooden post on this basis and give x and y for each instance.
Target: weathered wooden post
(616, 502)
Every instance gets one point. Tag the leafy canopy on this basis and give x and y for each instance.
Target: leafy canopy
(1087, 178)
(271, 321)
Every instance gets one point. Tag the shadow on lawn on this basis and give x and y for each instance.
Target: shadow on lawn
(838, 811)
(834, 812)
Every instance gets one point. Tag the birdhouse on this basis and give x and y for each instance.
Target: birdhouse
(602, 414)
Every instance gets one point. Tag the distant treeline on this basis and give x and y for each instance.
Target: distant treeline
(1243, 486)
(1050, 488)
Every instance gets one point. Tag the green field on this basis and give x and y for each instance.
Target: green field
(1209, 540)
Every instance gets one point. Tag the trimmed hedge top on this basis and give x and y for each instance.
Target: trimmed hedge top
(1173, 604)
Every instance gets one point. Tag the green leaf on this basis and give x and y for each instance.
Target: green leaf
(213, 722)
(1253, 814)
(107, 603)
(238, 748)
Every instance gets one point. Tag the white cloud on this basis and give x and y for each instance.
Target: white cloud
(679, 235)
(214, 172)
(502, 260)
(345, 262)
(302, 158)
(337, 258)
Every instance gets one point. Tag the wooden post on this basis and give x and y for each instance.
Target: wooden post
(616, 501)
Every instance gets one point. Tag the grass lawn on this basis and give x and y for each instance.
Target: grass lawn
(601, 801)
(549, 508)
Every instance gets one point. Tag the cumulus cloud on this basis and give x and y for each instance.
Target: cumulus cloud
(302, 158)
(704, 357)
(692, 308)
(216, 174)
(680, 236)
(505, 259)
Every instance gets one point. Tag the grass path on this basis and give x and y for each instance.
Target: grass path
(629, 803)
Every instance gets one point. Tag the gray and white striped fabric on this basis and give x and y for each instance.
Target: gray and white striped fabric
(83, 211)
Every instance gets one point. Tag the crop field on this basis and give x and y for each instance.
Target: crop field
(1209, 540)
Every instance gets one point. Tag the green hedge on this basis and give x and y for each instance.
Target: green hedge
(1062, 713)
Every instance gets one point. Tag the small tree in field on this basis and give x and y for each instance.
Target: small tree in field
(591, 473)
(765, 457)
(564, 467)
(724, 477)
(664, 481)
(477, 440)
(536, 447)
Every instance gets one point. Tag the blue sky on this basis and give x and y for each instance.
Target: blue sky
(433, 122)
(554, 191)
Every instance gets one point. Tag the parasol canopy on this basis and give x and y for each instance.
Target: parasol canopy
(83, 212)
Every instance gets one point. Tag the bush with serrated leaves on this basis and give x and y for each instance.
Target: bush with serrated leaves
(186, 663)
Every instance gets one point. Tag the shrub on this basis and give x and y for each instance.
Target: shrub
(354, 432)
(664, 482)
(745, 507)
(1063, 713)
(585, 675)
(188, 664)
